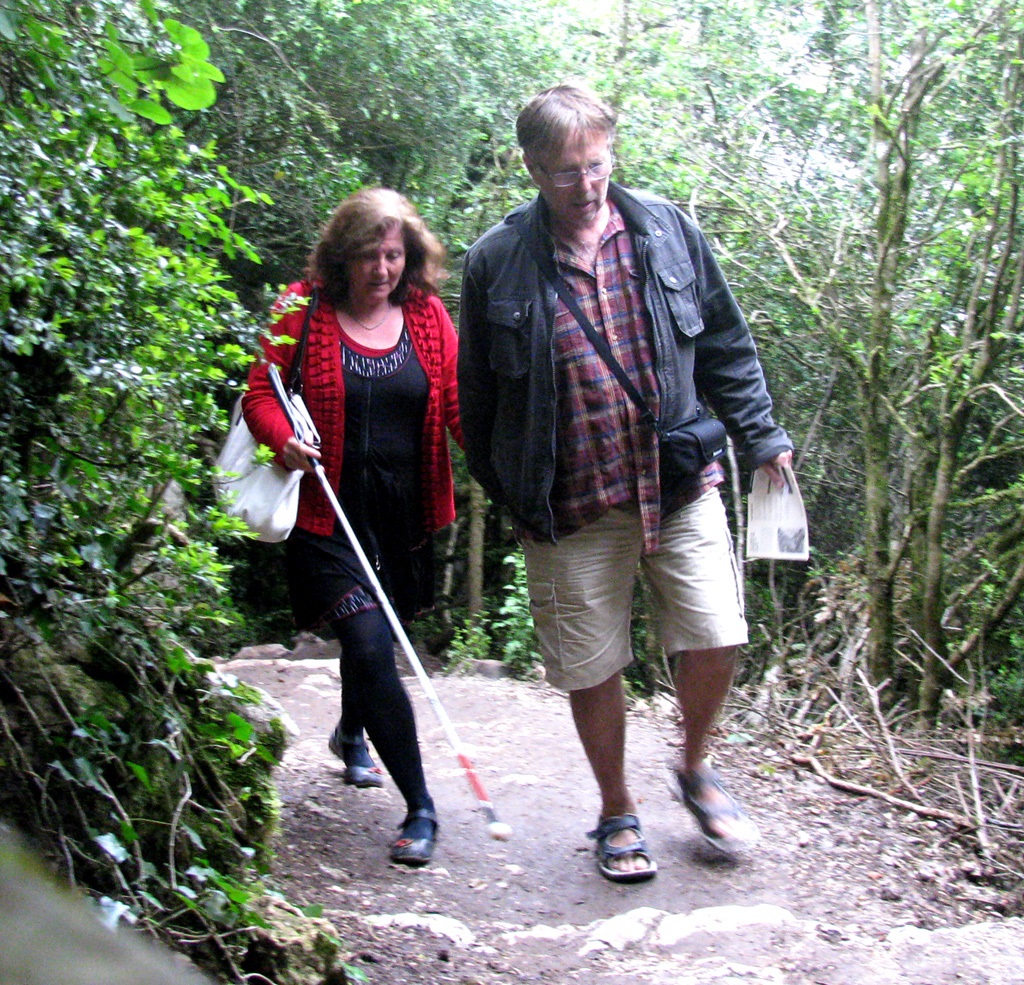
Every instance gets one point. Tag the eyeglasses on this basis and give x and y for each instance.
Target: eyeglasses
(565, 179)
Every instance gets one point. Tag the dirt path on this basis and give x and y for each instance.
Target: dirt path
(841, 891)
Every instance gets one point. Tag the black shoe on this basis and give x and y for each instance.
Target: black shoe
(419, 831)
(360, 769)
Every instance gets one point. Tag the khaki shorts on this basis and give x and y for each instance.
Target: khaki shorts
(581, 590)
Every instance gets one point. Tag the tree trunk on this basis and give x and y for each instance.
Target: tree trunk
(991, 313)
(875, 380)
(475, 561)
(892, 144)
(877, 551)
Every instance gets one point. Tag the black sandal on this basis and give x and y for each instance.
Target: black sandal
(360, 769)
(689, 789)
(415, 847)
(607, 852)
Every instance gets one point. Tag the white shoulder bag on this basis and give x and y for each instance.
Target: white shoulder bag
(266, 496)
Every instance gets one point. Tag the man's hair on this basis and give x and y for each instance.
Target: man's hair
(556, 114)
(363, 220)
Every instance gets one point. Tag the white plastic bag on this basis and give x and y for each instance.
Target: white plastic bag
(266, 496)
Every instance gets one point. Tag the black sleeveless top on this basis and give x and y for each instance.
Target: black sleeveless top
(385, 404)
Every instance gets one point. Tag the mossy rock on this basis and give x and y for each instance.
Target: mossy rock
(54, 683)
(294, 949)
(135, 749)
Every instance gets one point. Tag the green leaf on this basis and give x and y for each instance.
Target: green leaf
(149, 64)
(194, 837)
(88, 775)
(205, 70)
(141, 774)
(119, 58)
(124, 82)
(8, 25)
(62, 770)
(242, 729)
(178, 660)
(188, 39)
(151, 111)
(196, 95)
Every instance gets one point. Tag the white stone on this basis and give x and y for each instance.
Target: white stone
(455, 930)
(624, 928)
(541, 932)
(720, 919)
(522, 779)
(908, 935)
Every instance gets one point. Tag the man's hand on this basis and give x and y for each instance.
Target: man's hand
(296, 455)
(774, 466)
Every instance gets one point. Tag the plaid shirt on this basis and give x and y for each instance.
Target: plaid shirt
(605, 457)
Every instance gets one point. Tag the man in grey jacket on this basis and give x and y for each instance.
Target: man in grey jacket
(552, 434)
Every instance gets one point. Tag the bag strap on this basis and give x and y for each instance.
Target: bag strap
(295, 373)
(547, 267)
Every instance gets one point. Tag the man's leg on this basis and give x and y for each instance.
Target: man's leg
(580, 594)
(695, 583)
(702, 679)
(600, 716)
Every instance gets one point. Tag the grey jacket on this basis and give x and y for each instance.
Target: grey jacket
(507, 397)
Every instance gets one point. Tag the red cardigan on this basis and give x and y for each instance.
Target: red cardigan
(323, 389)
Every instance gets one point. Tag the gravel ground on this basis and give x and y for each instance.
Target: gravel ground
(841, 890)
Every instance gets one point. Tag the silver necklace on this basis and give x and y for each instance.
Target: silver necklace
(369, 328)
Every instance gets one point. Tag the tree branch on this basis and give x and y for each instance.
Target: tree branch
(922, 809)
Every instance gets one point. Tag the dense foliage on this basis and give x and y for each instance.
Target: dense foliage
(116, 328)
(320, 98)
(121, 754)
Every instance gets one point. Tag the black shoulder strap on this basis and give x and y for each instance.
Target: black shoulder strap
(295, 374)
(549, 270)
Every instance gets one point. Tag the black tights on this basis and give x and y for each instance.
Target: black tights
(373, 697)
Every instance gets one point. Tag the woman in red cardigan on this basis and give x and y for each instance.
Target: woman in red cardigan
(378, 377)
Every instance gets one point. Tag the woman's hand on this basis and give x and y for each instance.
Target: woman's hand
(296, 455)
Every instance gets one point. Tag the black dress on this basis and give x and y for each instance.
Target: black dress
(385, 403)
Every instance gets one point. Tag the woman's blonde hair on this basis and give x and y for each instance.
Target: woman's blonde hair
(364, 219)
